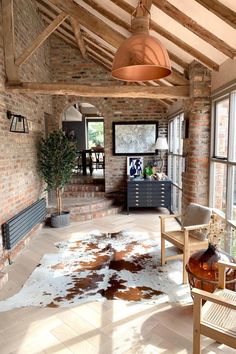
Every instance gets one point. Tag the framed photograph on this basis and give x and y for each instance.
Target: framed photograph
(134, 166)
(136, 137)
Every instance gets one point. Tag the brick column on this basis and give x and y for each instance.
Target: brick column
(197, 144)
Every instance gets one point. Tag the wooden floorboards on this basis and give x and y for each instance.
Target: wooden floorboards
(98, 327)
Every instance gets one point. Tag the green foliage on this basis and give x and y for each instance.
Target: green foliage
(148, 170)
(95, 134)
(56, 160)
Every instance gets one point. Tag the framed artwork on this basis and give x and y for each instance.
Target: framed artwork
(134, 166)
(137, 137)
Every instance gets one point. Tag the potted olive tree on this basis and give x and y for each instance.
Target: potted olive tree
(56, 162)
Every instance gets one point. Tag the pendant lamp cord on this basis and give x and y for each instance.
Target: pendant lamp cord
(141, 6)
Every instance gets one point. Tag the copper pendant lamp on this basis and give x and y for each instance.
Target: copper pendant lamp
(141, 57)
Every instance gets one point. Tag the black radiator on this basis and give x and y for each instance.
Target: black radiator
(18, 226)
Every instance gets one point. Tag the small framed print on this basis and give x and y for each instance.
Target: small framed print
(134, 166)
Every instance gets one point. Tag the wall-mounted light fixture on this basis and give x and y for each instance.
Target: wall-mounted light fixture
(19, 123)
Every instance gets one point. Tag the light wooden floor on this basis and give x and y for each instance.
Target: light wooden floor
(102, 328)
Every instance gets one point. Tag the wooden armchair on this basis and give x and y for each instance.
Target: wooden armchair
(217, 317)
(189, 238)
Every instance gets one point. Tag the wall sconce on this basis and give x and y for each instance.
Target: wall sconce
(19, 123)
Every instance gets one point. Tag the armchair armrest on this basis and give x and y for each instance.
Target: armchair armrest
(220, 300)
(194, 227)
(227, 264)
(163, 219)
(170, 216)
(221, 278)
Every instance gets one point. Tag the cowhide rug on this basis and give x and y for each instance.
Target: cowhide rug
(96, 266)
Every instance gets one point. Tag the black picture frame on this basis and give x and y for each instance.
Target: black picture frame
(134, 138)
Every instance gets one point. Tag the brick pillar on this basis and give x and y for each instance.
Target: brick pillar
(197, 144)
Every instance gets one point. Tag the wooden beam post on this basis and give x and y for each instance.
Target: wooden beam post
(72, 89)
(41, 38)
(194, 27)
(12, 70)
(79, 39)
(93, 23)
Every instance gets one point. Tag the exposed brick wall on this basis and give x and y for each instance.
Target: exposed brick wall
(68, 65)
(20, 184)
(197, 146)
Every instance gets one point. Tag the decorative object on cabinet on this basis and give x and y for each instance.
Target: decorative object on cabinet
(134, 166)
(134, 138)
(161, 144)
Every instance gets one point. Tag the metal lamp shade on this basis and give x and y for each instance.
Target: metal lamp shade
(141, 57)
(19, 124)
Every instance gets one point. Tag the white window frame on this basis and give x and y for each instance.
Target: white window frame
(174, 156)
(230, 161)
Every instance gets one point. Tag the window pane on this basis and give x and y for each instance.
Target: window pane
(228, 241)
(176, 177)
(170, 167)
(95, 134)
(181, 137)
(171, 136)
(221, 128)
(234, 194)
(232, 134)
(220, 186)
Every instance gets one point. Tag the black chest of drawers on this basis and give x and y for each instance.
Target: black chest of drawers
(148, 193)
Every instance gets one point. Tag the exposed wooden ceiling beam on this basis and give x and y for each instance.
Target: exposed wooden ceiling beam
(95, 44)
(9, 41)
(93, 23)
(176, 79)
(98, 61)
(51, 13)
(194, 27)
(41, 38)
(162, 102)
(66, 39)
(100, 56)
(100, 51)
(176, 59)
(108, 14)
(171, 37)
(65, 88)
(62, 30)
(220, 10)
(79, 39)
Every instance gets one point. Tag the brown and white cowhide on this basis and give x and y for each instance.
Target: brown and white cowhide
(100, 266)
